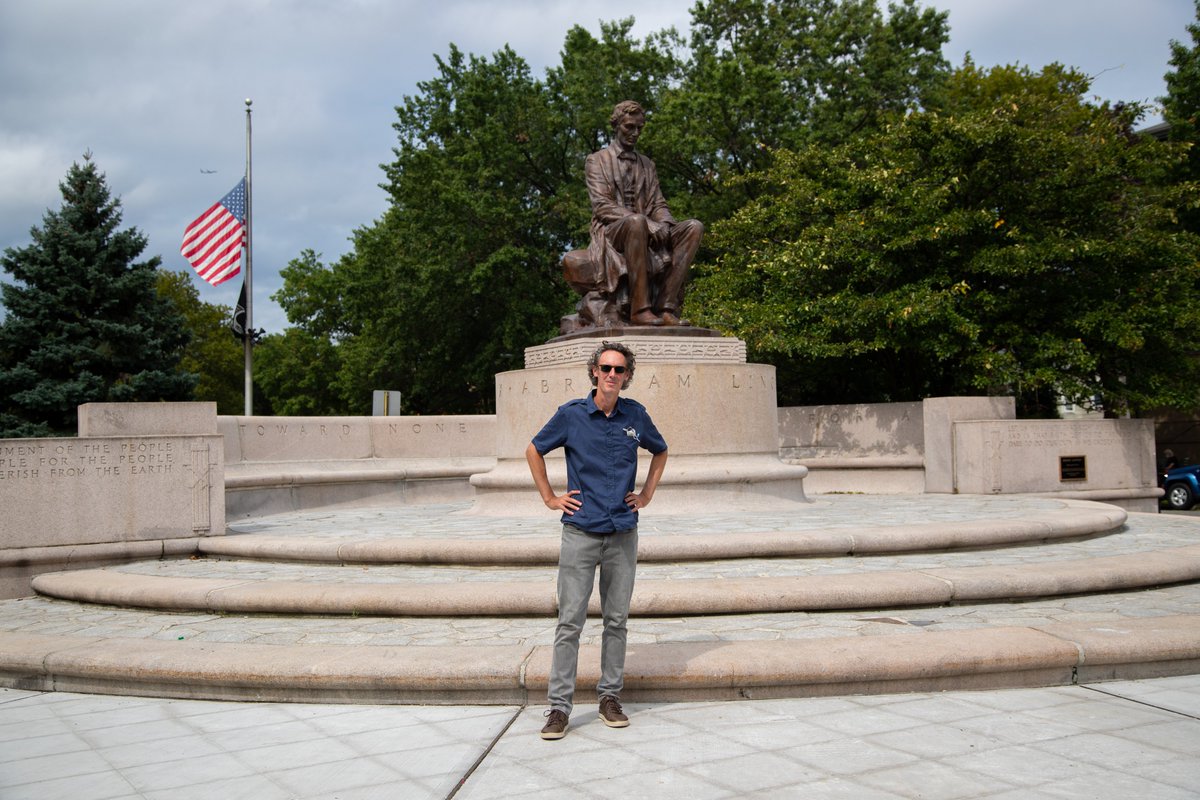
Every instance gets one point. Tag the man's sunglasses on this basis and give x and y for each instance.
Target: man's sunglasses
(610, 368)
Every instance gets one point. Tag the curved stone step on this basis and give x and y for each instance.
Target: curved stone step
(987, 657)
(1074, 519)
(876, 589)
(287, 654)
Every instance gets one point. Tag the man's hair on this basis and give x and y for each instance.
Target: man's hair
(594, 361)
(624, 109)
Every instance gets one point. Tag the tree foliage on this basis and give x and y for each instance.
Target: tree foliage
(84, 321)
(477, 214)
(765, 74)
(295, 375)
(298, 370)
(1181, 108)
(1016, 239)
(214, 355)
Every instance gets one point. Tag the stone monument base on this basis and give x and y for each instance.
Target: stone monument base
(691, 485)
(717, 413)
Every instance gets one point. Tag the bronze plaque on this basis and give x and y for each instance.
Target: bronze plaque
(1072, 468)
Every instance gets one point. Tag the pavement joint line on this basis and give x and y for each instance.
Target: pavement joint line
(1114, 695)
(14, 700)
(487, 751)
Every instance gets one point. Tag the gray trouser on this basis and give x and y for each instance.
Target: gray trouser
(580, 554)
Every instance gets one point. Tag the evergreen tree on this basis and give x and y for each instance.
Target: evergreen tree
(85, 322)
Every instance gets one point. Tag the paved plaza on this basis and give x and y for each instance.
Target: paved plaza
(1129, 739)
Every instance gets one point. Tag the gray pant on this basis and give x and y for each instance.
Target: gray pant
(580, 554)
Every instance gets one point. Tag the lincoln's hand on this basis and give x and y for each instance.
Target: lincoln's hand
(660, 233)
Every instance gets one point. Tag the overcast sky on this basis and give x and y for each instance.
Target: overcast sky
(155, 90)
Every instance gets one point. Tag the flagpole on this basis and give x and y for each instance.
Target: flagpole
(248, 337)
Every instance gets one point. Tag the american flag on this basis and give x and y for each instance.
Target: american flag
(212, 244)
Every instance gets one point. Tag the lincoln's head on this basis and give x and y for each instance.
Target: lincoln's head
(627, 120)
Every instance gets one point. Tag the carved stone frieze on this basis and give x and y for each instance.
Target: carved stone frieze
(648, 349)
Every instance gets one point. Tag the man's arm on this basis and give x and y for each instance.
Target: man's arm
(636, 500)
(567, 503)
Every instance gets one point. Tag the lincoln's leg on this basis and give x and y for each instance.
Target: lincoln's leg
(631, 237)
(685, 242)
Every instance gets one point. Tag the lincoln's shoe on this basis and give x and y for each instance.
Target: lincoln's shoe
(611, 713)
(556, 724)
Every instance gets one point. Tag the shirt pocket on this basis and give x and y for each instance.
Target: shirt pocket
(627, 450)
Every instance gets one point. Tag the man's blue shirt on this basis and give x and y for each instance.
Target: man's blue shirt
(601, 458)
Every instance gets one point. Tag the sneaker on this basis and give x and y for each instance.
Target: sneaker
(611, 713)
(556, 725)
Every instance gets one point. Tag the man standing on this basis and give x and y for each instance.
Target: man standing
(600, 435)
(633, 232)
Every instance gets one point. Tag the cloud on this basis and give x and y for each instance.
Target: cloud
(1123, 46)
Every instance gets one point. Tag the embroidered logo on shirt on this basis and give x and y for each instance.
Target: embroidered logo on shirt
(632, 433)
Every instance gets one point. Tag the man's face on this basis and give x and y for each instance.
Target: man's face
(611, 380)
(629, 129)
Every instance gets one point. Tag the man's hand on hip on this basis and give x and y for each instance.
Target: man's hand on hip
(567, 503)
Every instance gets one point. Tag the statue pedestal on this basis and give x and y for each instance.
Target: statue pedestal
(717, 413)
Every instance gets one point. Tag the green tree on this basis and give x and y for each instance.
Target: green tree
(1181, 107)
(214, 355)
(1015, 240)
(294, 374)
(765, 74)
(298, 371)
(459, 275)
(84, 321)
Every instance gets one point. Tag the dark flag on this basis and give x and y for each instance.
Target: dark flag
(238, 325)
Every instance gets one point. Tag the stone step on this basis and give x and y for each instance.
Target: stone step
(651, 597)
(954, 592)
(1068, 519)
(992, 657)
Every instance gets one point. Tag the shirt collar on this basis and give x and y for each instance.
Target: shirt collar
(623, 152)
(595, 409)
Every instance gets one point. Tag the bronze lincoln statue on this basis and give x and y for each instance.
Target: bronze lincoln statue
(634, 270)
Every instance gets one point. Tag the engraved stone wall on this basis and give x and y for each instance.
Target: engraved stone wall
(701, 409)
(852, 431)
(317, 439)
(110, 489)
(1012, 456)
